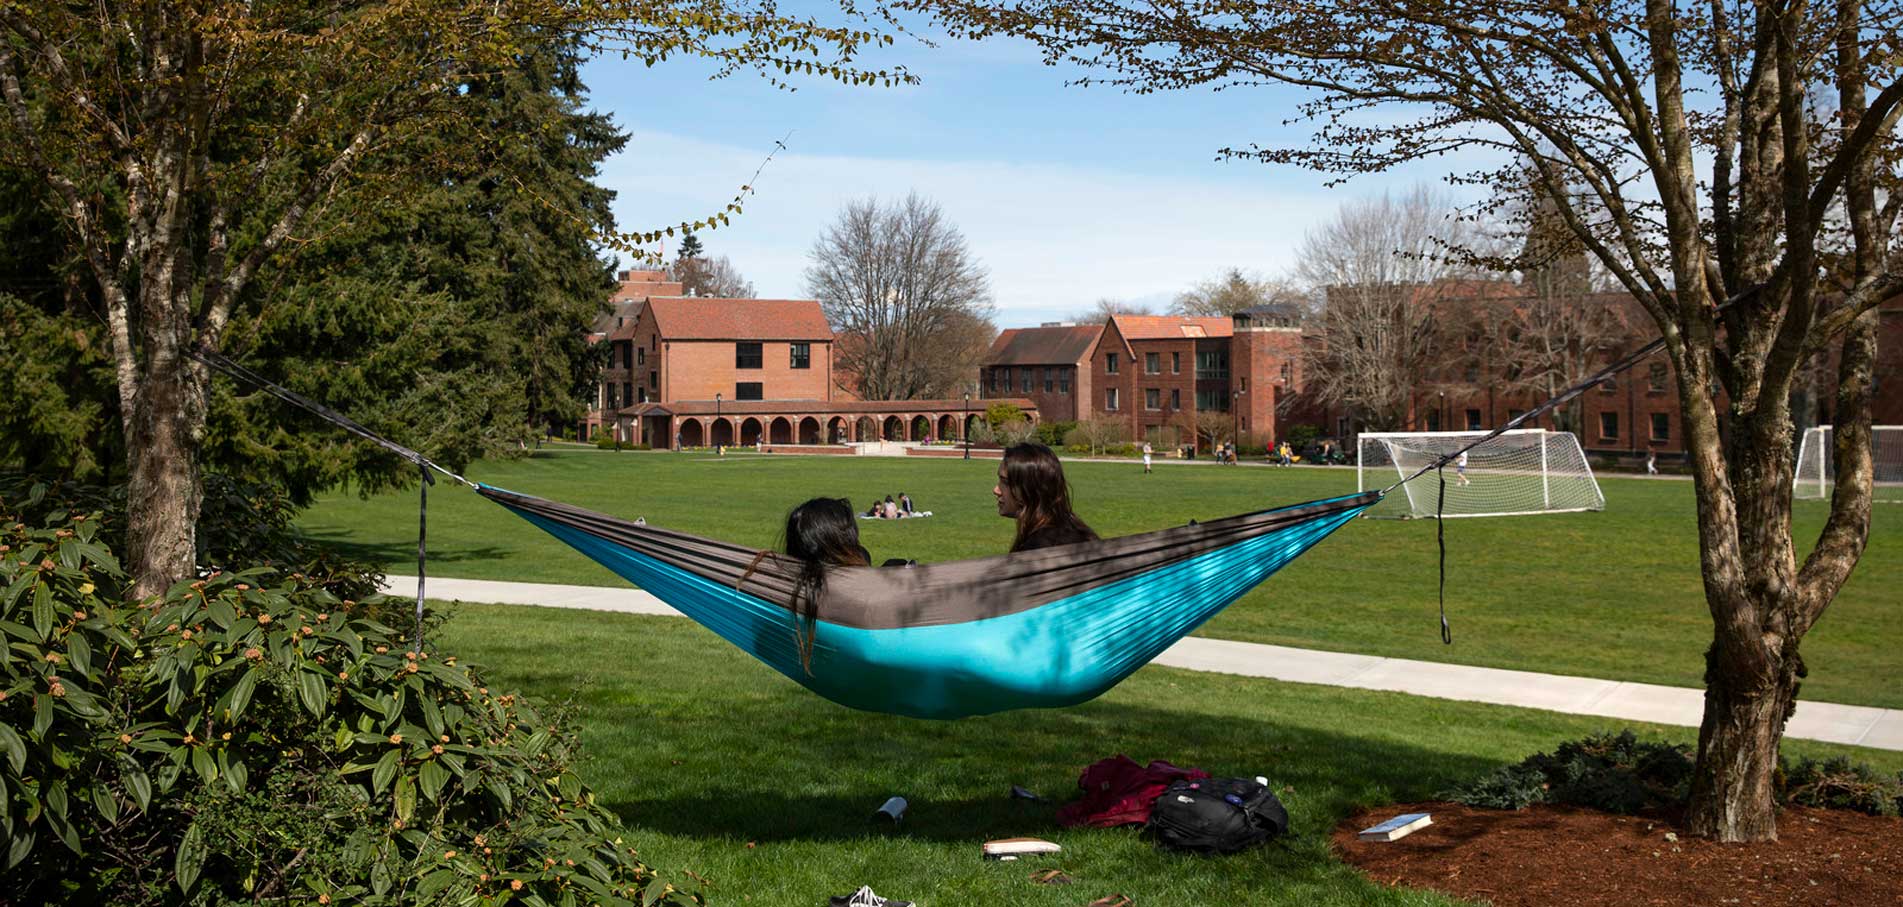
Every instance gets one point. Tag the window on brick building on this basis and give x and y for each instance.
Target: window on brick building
(1110, 363)
(802, 355)
(640, 356)
(654, 381)
(1513, 414)
(1050, 379)
(627, 392)
(1110, 399)
(1212, 401)
(1610, 385)
(1176, 363)
(1473, 420)
(1212, 364)
(1288, 373)
(1027, 381)
(613, 401)
(1473, 373)
(641, 393)
(749, 390)
(1176, 399)
(1063, 381)
(1656, 376)
(1609, 426)
(1661, 427)
(994, 380)
(748, 355)
(1152, 398)
(1433, 420)
(1153, 363)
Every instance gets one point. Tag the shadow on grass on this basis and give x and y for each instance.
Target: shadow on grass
(346, 544)
(1323, 774)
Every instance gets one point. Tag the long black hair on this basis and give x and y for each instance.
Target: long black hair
(1036, 480)
(820, 533)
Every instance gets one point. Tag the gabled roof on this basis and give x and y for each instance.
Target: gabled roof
(1171, 327)
(1066, 345)
(701, 318)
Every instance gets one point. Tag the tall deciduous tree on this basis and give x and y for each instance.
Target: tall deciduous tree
(1233, 292)
(188, 142)
(1781, 248)
(912, 301)
(714, 278)
(1382, 331)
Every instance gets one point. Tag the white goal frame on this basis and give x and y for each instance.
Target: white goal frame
(1554, 446)
(1815, 471)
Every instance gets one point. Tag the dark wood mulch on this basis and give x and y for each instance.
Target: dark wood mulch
(1548, 855)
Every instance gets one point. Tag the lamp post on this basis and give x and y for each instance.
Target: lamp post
(965, 427)
(717, 448)
(1440, 409)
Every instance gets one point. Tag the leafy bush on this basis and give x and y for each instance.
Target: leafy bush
(1000, 414)
(1836, 783)
(238, 523)
(1302, 436)
(1052, 434)
(253, 736)
(1613, 772)
(1016, 432)
(607, 441)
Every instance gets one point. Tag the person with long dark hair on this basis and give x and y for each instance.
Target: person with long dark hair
(1032, 490)
(820, 534)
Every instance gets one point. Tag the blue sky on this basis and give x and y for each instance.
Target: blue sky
(1066, 194)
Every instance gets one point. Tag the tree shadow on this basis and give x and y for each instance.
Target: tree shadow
(1322, 774)
(352, 546)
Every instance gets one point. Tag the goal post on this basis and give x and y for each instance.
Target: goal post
(1817, 466)
(1524, 471)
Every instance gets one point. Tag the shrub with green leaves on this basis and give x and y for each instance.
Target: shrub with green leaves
(251, 735)
(1613, 772)
(1837, 783)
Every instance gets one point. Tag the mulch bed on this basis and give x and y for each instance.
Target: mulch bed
(1550, 855)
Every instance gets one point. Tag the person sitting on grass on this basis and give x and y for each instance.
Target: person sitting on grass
(905, 504)
(889, 510)
(1031, 490)
(820, 535)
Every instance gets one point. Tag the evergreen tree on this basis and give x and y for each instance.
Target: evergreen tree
(690, 247)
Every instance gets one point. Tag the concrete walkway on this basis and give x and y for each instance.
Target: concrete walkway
(1829, 722)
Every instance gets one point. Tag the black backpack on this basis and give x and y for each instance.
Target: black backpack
(1216, 815)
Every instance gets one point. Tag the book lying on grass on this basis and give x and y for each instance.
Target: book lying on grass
(1012, 848)
(1397, 827)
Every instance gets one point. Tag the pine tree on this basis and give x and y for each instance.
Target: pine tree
(690, 247)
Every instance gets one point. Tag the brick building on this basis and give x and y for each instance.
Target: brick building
(1048, 364)
(632, 290)
(692, 371)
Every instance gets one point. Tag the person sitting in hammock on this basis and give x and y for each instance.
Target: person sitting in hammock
(820, 534)
(1031, 490)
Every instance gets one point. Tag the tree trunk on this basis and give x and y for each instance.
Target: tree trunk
(164, 431)
(1734, 790)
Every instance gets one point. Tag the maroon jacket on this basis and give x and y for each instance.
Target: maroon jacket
(1117, 791)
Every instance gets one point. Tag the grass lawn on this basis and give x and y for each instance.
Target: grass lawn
(1613, 594)
(720, 766)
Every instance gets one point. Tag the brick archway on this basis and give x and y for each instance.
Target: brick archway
(693, 433)
(892, 428)
(918, 427)
(780, 430)
(809, 431)
(865, 428)
(947, 427)
(721, 435)
(749, 431)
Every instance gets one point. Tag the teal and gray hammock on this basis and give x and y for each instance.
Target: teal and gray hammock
(1033, 629)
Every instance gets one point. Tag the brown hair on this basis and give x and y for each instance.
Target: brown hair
(1036, 481)
(820, 533)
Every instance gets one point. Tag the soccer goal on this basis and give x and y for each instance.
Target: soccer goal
(1524, 471)
(1817, 469)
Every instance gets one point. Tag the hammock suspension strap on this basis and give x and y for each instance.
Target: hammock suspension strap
(218, 361)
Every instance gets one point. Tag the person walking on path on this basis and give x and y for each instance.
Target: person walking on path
(1651, 461)
(1282, 451)
(1460, 469)
(1147, 451)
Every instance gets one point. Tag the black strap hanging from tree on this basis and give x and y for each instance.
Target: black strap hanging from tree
(423, 464)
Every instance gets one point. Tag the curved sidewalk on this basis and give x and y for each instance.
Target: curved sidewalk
(1829, 722)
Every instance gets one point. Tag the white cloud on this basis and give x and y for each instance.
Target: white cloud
(1054, 237)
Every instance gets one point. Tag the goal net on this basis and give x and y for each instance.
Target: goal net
(1817, 467)
(1520, 472)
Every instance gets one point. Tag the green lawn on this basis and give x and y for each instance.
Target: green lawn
(720, 766)
(1613, 594)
